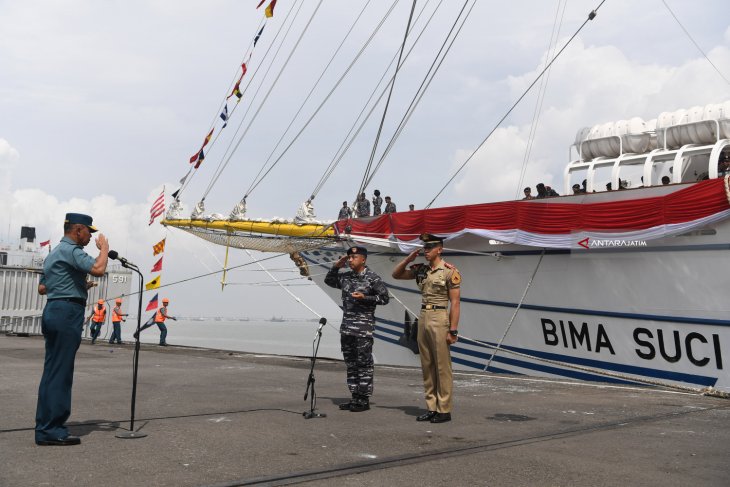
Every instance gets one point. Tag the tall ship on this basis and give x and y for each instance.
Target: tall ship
(618, 280)
(21, 266)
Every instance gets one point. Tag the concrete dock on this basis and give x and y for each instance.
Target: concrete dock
(227, 418)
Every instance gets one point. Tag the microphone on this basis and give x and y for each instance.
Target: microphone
(114, 255)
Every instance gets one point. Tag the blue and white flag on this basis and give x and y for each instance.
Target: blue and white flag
(224, 116)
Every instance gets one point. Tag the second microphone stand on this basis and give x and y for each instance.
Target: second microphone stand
(131, 433)
(310, 381)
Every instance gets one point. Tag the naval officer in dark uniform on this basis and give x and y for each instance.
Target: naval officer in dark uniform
(362, 291)
(64, 283)
(438, 323)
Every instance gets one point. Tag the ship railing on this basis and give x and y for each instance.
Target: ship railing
(682, 161)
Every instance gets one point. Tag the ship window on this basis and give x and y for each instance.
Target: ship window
(632, 174)
(3, 258)
(659, 170)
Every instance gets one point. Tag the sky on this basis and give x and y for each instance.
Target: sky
(103, 103)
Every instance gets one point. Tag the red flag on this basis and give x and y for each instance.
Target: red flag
(205, 142)
(153, 303)
(47, 242)
(158, 207)
(237, 87)
(158, 266)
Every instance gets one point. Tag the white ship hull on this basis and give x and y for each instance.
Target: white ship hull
(654, 312)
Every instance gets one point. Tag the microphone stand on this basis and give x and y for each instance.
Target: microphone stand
(310, 381)
(131, 433)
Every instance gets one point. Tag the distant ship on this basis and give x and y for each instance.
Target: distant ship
(21, 266)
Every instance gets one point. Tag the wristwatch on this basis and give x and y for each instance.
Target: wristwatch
(454, 333)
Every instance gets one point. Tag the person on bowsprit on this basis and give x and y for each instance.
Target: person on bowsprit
(362, 206)
(117, 318)
(438, 323)
(389, 205)
(362, 291)
(98, 318)
(377, 203)
(159, 320)
(345, 212)
(64, 284)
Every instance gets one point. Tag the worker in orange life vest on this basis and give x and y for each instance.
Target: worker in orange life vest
(160, 318)
(97, 320)
(117, 318)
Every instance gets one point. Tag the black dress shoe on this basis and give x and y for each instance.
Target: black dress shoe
(358, 407)
(69, 440)
(426, 416)
(441, 418)
(345, 406)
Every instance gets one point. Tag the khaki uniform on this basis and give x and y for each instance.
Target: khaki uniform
(433, 326)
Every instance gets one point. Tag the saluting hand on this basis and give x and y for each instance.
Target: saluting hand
(341, 262)
(412, 256)
(101, 241)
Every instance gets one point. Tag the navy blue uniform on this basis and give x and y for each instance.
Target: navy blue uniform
(65, 271)
(358, 324)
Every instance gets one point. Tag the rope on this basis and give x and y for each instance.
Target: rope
(266, 97)
(249, 51)
(542, 89)
(296, 298)
(340, 152)
(425, 84)
(695, 43)
(514, 315)
(342, 77)
(398, 65)
(591, 16)
(309, 95)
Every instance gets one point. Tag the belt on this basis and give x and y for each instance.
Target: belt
(80, 301)
(432, 306)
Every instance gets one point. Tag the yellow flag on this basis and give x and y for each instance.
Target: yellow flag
(269, 12)
(153, 284)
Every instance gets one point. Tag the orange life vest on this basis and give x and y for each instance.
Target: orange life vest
(117, 314)
(161, 315)
(99, 314)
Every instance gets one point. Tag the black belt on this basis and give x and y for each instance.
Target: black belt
(80, 301)
(432, 306)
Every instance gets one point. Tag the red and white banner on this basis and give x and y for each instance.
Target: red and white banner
(558, 222)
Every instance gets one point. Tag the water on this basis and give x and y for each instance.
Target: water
(266, 337)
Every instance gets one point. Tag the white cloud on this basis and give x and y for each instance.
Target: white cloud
(590, 85)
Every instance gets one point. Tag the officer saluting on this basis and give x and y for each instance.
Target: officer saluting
(64, 283)
(362, 291)
(437, 324)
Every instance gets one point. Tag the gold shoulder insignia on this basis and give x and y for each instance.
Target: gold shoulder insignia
(456, 277)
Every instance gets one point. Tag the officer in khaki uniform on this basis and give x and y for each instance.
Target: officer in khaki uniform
(438, 323)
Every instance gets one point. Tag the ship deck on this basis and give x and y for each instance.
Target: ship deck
(229, 418)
